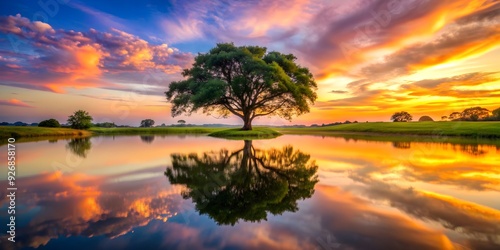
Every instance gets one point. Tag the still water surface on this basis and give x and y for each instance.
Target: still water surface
(293, 192)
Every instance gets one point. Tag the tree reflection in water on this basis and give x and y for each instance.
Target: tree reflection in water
(147, 138)
(80, 146)
(245, 184)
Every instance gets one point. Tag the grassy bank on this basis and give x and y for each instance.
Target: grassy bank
(24, 132)
(256, 133)
(154, 131)
(395, 129)
(435, 129)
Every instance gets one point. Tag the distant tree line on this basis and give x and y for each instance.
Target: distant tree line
(474, 114)
(469, 114)
(332, 124)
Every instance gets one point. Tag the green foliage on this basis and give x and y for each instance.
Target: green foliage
(50, 123)
(105, 125)
(244, 81)
(147, 123)
(80, 120)
(245, 184)
(402, 116)
(425, 118)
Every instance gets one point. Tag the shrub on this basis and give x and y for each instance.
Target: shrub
(50, 123)
(425, 118)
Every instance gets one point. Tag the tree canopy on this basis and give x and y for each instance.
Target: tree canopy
(80, 120)
(50, 123)
(245, 184)
(496, 114)
(402, 116)
(244, 81)
(475, 113)
(147, 123)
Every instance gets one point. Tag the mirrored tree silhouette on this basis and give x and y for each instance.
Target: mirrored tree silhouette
(401, 144)
(80, 146)
(147, 138)
(246, 184)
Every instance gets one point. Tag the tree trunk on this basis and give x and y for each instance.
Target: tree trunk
(246, 160)
(247, 123)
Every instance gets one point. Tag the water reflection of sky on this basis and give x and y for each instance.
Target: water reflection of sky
(371, 195)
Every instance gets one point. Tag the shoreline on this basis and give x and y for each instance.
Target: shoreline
(436, 131)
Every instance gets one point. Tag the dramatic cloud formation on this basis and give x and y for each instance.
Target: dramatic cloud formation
(78, 204)
(456, 43)
(61, 58)
(368, 56)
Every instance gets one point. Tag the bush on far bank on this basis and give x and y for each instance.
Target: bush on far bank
(50, 123)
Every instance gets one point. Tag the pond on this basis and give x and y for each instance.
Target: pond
(292, 192)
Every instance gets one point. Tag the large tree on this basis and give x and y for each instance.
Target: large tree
(245, 81)
(80, 120)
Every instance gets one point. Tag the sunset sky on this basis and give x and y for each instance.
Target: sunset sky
(370, 58)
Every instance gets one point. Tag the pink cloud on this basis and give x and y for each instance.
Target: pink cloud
(15, 103)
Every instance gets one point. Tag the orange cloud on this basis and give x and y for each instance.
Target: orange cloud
(79, 204)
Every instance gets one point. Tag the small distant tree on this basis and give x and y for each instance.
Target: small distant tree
(475, 114)
(50, 123)
(181, 122)
(80, 120)
(425, 118)
(444, 118)
(454, 116)
(147, 123)
(402, 116)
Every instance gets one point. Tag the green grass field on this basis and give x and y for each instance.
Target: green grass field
(465, 129)
(256, 133)
(156, 131)
(18, 132)
(393, 129)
